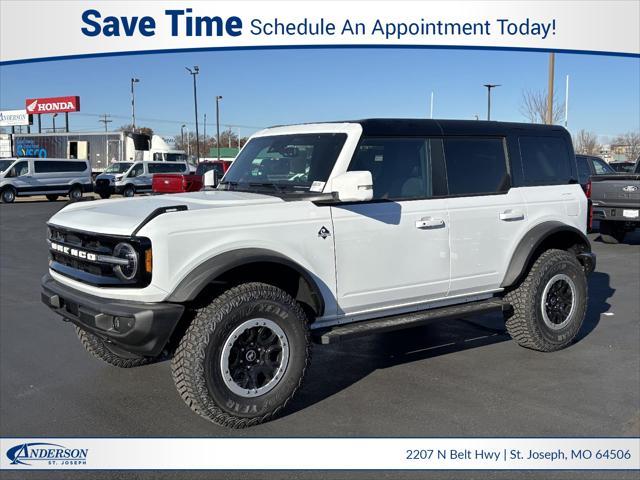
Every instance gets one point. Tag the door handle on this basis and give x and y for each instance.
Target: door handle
(429, 222)
(511, 215)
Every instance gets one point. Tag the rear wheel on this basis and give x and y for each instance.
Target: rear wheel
(104, 196)
(129, 191)
(612, 232)
(549, 305)
(244, 356)
(52, 198)
(75, 193)
(109, 353)
(8, 195)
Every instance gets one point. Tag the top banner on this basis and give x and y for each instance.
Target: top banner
(67, 29)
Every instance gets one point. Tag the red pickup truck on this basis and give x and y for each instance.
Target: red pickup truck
(177, 183)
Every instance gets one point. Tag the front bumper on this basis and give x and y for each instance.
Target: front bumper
(136, 327)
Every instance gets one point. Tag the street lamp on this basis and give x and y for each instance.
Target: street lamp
(54, 122)
(182, 134)
(218, 98)
(489, 87)
(133, 104)
(193, 73)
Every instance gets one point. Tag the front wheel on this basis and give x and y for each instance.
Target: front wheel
(244, 356)
(52, 198)
(75, 193)
(129, 191)
(550, 304)
(612, 232)
(8, 195)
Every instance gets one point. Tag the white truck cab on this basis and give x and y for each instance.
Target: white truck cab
(327, 231)
(129, 178)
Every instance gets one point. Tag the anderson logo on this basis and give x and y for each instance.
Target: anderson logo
(51, 453)
(53, 105)
(74, 252)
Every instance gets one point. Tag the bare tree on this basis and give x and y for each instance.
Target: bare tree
(534, 106)
(631, 142)
(129, 128)
(586, 143)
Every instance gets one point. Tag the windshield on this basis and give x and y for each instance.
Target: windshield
(291, 162)
(119, 167)
(5, 164)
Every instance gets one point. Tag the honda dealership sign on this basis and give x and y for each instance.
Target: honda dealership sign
(12, 118)
(53, 105)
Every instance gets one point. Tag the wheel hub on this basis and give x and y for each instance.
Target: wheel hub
(254, 357)
(558, 301)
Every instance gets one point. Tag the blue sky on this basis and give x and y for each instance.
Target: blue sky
(268, 87)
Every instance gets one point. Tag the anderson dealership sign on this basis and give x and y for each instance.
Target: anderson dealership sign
(12, 118)
(52, 105)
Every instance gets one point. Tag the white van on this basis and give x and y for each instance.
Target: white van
(52, 177)
(129, 178)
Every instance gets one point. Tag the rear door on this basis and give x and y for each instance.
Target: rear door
(392, 253)
(487, 216)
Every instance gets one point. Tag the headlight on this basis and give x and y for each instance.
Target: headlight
(117, 178)
(126, 252)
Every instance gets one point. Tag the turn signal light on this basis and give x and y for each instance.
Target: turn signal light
(148, 261)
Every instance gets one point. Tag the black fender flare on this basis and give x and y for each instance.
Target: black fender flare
(201, 276)
(530, 242)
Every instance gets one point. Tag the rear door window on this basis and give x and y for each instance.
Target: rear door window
(546, 161)
(476, 166)
(169, 167)
(58, 166)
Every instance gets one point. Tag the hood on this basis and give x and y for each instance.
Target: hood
(123, 216)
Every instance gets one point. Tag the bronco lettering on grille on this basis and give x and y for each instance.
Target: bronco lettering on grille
(74, 252)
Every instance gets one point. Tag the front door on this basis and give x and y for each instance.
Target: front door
(393, 253)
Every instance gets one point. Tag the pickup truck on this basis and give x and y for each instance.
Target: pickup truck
(178, 183)
(615, 202)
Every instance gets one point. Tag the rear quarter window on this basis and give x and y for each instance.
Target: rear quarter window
(546, 161)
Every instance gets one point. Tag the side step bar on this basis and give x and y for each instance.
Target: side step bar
(414, 319)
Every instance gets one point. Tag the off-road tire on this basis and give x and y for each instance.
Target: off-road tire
(97, 347)
(196, 363)
(612, 232)
(52, 198)
(104, 196)
(525, 322)
(129, 191)
(8, 195)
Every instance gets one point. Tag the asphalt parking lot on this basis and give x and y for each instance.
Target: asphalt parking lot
(460, 378)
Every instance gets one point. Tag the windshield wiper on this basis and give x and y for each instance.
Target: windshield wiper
(276, 187)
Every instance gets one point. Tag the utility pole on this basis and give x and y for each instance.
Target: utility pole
(133, 104)
(182, 134)
(193, 73)
(218, 98)
(105, 120)
(552, 61)
(566, 104)
(489, 87)
(431, 114)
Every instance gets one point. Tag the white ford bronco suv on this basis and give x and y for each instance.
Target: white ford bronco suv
(324, 232)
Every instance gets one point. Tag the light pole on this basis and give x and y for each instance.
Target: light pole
(218, 98)
(204, 135)
(182, 134)
(193, 73)
(133, 104)
(489, 87)
(54, 122)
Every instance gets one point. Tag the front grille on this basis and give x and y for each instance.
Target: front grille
(92, 271)
(102, 183)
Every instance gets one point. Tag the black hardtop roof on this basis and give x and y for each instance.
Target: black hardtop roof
(422, 126)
